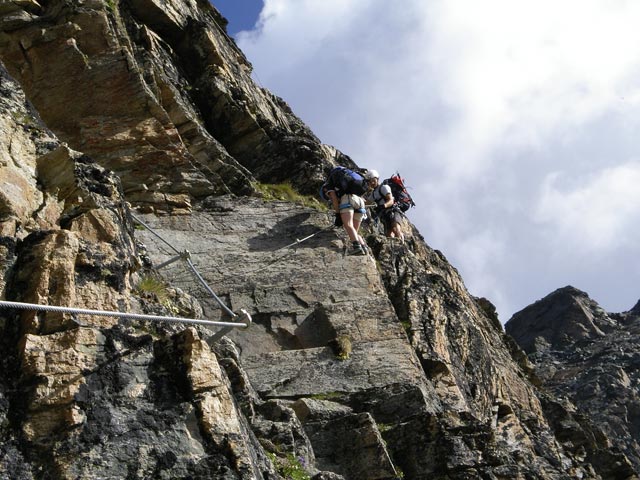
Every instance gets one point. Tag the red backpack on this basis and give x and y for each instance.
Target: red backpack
(402, 198)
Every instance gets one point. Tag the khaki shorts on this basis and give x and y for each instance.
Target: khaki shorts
(352, 203)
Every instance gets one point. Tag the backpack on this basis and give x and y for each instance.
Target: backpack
(402, 198)
(347, 181)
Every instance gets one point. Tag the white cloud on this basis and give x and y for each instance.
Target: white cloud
(597, 213)
(524, 70)
(478, 104)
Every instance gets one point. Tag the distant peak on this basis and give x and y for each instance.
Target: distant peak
(569, 290)
(561, 318)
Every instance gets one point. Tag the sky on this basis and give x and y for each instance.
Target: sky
(514, 122)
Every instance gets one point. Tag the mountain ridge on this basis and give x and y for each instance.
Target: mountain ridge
(589, 357)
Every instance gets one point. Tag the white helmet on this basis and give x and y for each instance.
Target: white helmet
(372, 174)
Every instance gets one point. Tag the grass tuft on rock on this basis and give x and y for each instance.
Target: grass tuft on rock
(285, 192)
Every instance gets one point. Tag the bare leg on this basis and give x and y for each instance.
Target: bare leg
(397, 231)
(357, 220)
(347, 223)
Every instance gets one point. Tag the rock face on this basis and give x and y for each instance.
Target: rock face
(156, 92)
(373, 367)
(589, 358)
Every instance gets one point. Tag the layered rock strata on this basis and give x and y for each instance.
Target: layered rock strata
(158, 93)
(354, 367)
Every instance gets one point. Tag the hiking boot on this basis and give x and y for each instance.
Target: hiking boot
(357, 249)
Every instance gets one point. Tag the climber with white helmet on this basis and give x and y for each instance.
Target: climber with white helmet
(382, 196)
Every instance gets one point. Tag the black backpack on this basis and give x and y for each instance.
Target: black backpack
(402, 198)
(346, 182)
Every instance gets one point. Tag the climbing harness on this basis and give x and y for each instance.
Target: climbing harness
(244, 323)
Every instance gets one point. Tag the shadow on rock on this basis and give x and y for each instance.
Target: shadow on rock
(287, 233)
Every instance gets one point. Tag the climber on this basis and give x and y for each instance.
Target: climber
(344, 188)
(386, 205)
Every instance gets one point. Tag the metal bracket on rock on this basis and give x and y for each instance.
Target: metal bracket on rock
(244, 320)
(184, 255)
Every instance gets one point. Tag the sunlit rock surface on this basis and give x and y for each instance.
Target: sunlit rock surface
(354, 367)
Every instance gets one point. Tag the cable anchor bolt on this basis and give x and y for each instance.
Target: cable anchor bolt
(244, 317)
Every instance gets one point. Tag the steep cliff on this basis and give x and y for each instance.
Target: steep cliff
(354, 367)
